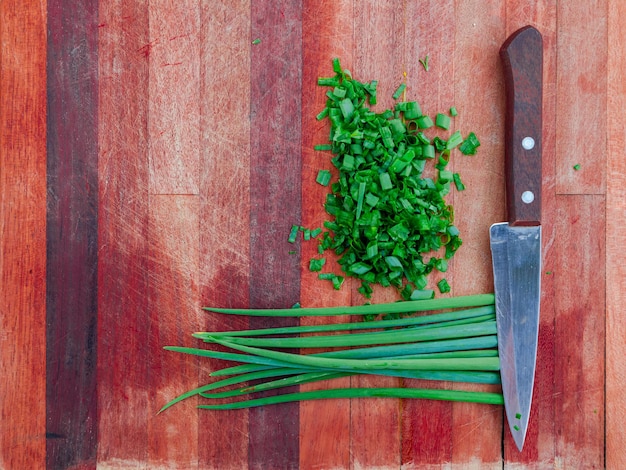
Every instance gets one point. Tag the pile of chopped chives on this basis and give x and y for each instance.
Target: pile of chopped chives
(454, 341)
(391, 225)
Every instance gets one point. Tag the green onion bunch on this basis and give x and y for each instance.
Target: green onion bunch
(390, 222)
(448, 339)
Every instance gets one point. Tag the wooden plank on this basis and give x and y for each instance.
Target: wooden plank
(174, 86)
(327, 32)
(479, 98)
(275, 138)
(124, 395)
(378, 55)
(579, 330)
(427, 424)
(225, 204)
(615, 241)
(174, 314)
(540, 439)
(582, 28)
(22, 234)
(72, 249)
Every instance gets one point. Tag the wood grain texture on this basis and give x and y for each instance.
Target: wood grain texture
(224, 227)
(615, 339)
(72, 260)
(580, 325)
(225, 204)
(174, 84)
(124, 353)
(173, 311)
(582, 95)
(479, 34)
(327, 32)
(22, 234)
(275, 204)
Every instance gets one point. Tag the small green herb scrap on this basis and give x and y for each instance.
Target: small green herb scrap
(256, 41)
(293, 233)
(577, 167)
(323, 177)
(470, 144)
(424, 63)
(399, 91)
(442, 121)
(443, 286)
(317, 264)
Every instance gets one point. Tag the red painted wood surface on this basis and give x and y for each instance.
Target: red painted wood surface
(177, 157)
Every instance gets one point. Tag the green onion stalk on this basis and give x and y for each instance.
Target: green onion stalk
(447, 339)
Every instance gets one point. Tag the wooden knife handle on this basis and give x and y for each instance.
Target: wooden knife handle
(522, 59)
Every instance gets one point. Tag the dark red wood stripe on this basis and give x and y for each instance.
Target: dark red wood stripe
(72, 215)
(275, 201)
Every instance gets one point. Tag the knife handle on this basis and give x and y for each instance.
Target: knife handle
(522, 59)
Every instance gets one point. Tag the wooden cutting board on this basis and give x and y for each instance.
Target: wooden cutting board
(152, 161)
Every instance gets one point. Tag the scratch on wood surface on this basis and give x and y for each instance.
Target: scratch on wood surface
(146, 49)
(125, 464)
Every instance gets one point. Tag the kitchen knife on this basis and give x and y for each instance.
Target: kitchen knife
(516, 244)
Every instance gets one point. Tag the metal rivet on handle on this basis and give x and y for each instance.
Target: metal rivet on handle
(528, 197)
(528, 143)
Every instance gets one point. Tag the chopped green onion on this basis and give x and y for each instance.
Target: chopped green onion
(347, 108)
(399, 91)
(293, 234)
(422, 294)
(453, 112)
(256, 41)
(317, 264)
(442, 121)
(385, 181)
(323, 177)
(324, 147)
(337, 66)
(470, 144)
(454, 140)
(457, 182)
(577, 167)
(424, 122)
(443, 286)
(381, 193)
(412, 110)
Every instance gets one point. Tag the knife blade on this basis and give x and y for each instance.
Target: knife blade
(516, 244)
